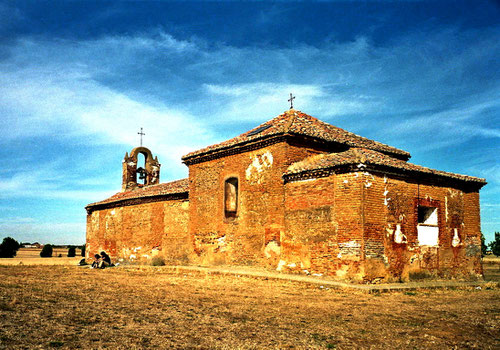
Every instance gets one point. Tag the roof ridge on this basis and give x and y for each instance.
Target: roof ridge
(295, 122)
(372, 157)
(165, 188)
(292, 120)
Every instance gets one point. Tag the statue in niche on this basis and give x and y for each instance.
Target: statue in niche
(231, 197)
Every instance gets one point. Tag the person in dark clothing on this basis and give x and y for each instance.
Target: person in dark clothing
(97, 261)
(105, 260)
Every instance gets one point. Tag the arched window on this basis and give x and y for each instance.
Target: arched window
(231, 197)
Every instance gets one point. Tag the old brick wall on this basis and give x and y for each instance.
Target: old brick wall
(139, 232)
(310, 232)
(176, 244)
(349, 220)
(391, 237)
(359, 225)
(254, 236)
(363, 225)
(324, 226)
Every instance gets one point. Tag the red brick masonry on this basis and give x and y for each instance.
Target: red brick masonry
(310, 198)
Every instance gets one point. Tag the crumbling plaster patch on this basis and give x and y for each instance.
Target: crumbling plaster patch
(456, 240)
(258, 165)
(272, 249)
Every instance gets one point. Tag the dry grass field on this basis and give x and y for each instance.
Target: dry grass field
(31, 256)
(152, 307)
(491, 267)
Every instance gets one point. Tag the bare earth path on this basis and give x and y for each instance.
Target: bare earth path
(76, 307)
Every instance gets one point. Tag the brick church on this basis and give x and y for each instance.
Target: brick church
(298, 195)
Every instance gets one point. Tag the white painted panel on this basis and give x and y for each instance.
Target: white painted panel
(428, 235)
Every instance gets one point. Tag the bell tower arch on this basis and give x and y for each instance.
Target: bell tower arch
(149, 172)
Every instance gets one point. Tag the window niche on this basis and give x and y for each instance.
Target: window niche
(231, 198)
(427, 226)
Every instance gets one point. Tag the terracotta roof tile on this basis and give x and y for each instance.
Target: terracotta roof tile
(174, 187)
(356, 156)
(298, 123)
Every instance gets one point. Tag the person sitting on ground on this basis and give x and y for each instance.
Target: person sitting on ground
(105, 260)
(97, 261)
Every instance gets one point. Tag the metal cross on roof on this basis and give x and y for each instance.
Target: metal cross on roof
(141, 133)
(291, 100)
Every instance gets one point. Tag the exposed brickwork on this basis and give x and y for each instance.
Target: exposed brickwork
(139, 232)
(297, 197)
(323, 223)
(240, 240)
(357, 237)
(394, 201)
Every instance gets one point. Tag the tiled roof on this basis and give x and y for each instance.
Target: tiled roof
(298, 123)
(356, 156)
(174, 187)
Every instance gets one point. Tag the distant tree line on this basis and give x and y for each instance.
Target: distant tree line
(9, 248)
(48, 249)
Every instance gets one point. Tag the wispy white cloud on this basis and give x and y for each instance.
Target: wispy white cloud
(199, 81)
(48, 182)
(70, 88)
(268, 99)
(16, 220)
(158, 43)
(64, 100)
(491, 172)
(452, 126)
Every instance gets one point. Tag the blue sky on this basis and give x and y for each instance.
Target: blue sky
(79, 79)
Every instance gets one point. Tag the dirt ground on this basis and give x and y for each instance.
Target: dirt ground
(152, 307)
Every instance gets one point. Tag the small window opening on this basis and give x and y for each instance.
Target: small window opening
(231, 197)
(427, 216)
(141, 169)
(427, 226)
